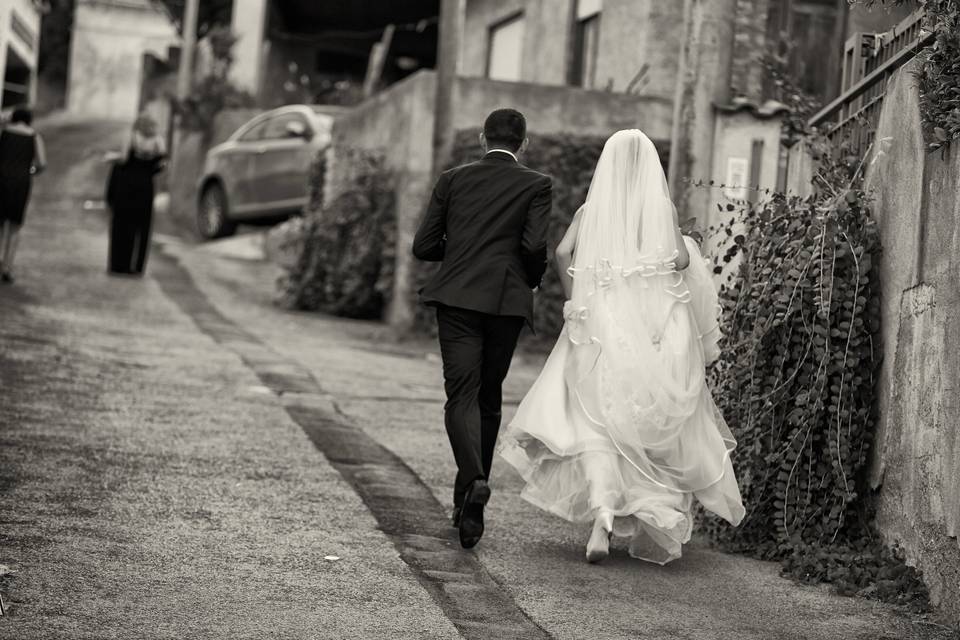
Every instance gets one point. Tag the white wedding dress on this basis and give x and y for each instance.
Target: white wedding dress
(620, 419)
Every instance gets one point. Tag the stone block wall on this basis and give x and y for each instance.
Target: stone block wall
(916, 465)
(398, 124)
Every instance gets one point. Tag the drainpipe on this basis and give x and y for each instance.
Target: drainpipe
(448, 53)
(185, 72)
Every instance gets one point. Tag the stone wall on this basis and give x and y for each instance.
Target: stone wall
(399, 121)
(916, 465)
(186, 164)
(553, 109)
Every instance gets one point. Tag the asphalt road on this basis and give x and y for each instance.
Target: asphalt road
(180, 458)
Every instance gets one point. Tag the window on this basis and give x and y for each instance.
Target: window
(586, 37)
(505, 51)
(255, 132)
(277, 126)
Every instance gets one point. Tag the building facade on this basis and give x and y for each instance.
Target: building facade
(110, 39)
(624, 46)
(638, 47)
(324, 52)
(633, 46)
(19, 48)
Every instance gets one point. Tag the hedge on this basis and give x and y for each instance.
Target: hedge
(347, 263)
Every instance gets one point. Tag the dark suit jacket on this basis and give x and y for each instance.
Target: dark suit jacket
(486, 222)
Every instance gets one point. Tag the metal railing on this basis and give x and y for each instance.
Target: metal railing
(868, 62)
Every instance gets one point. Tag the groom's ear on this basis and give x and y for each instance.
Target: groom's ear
(523, 145)
(483, 141)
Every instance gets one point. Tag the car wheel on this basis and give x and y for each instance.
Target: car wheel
(212, 214)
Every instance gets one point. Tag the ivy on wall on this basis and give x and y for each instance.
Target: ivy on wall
(796, 382)
(347, 260)
(939, 75)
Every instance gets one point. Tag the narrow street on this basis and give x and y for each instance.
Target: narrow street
(180, 458)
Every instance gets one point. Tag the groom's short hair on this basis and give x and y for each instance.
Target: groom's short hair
(505, 128)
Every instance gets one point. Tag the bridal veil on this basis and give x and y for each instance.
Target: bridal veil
(621, 418)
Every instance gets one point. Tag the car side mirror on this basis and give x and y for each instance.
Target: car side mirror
(298, 130)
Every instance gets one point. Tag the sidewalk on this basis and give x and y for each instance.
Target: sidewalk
(394, 392)
(181, 459)
(151, 487)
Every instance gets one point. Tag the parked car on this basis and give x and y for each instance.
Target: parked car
(261, 171)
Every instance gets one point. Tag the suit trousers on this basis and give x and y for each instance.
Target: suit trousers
(476, 349)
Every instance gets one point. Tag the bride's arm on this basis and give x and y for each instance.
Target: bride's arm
(564, 253)
(683, 257)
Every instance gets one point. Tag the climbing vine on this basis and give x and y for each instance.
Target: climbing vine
(348, 245)
(797, 382)
(939, 73)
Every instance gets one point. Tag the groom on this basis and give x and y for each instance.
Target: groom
(486, 223)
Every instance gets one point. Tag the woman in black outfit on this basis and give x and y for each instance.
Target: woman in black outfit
(21, 157)
(130, 196)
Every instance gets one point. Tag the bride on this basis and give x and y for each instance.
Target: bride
(620, 427)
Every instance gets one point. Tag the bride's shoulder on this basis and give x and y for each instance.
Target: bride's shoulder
(578, 215)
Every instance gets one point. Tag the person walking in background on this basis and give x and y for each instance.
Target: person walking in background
(486, 223)
(22, 156)
(130, 194)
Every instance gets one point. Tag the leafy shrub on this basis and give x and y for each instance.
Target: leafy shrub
(570, 161)
(347, 262)
(939, 74)
(796, 382)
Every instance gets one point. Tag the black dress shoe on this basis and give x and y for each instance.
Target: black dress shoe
(455, 517)
(471, 516)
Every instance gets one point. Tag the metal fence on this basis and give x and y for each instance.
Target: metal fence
(868, 62)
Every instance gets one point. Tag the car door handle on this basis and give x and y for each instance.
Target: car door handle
(260, 150)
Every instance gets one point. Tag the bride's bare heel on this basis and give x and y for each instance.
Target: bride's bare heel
(598, 546)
